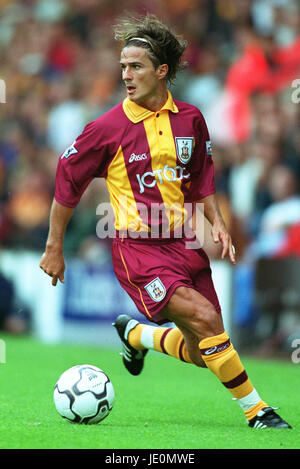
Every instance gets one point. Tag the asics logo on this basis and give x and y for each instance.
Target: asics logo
(151, 178)
(134, 157)
(216, 348)
(210, 350)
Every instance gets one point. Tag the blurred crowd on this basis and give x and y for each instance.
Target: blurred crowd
(59, 62)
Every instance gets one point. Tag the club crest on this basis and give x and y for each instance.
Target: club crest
(184, 148)
(156, 290)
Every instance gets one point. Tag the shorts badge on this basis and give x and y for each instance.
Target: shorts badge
(156, 290)
(184, 148)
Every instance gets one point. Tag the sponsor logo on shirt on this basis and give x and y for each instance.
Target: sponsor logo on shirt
(133, 157)
(184, 148)
(151, 178)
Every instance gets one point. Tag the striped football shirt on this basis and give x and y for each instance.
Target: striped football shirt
(150, 160)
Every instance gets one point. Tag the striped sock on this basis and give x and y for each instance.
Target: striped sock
(134, 336)
(168, 340)
(222, 359)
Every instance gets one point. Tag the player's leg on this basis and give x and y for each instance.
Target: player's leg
(205, 344)
(191, 311)
(191, 344)
(180, 342)
(177, 342)
(138, 338)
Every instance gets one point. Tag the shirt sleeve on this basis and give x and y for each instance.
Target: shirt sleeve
(84, 160)
(202, 170)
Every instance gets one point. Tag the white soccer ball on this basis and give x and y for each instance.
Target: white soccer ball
(84, 394)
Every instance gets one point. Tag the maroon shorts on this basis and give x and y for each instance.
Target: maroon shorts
(151, 272)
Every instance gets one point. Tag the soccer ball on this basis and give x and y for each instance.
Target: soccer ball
(84, 394)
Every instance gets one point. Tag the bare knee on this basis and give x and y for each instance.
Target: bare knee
(191, 310)
(206, 321)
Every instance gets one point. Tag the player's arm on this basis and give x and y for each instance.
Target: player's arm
(219, 231)
(52, 261)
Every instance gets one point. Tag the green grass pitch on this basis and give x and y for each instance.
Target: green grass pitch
(170, 405)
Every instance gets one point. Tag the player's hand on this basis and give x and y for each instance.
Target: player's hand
(220, 234)
(53, 264)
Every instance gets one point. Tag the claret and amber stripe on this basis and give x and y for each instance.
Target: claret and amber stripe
(181, 350)
(162, 340)
(237, 381)
(171, 342)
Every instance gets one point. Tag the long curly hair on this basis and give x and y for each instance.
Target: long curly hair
(162, 45)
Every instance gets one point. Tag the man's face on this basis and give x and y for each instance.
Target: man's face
(141, 78)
